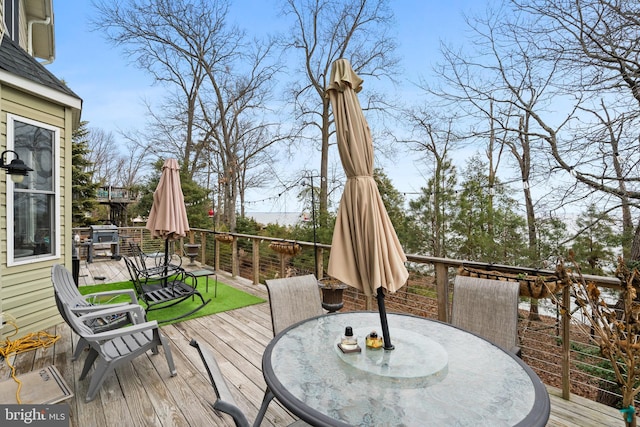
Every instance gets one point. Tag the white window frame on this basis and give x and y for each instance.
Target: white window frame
(55, 245)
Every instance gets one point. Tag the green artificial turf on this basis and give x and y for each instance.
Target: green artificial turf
(228, 298)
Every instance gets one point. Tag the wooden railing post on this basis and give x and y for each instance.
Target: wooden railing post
(282, 265)
(442, 288)
(216, 256)
(255, 245)
(566, 342)
(320, 264)
(235, 262)
(203, 245)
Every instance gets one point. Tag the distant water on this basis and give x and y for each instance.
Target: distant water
(280, 218)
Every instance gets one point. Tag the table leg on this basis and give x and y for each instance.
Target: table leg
(206, 275)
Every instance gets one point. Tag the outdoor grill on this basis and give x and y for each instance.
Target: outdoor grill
(104, 237)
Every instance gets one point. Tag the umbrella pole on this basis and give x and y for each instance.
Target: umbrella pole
(166, 260)
(383, 320)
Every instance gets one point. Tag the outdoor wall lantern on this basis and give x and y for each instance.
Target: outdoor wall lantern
(17, 168)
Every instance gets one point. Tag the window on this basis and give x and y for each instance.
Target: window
(33, 205)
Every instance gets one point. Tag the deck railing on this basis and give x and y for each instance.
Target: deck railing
(555, 344)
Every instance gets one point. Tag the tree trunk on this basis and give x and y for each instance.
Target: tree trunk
(635, 247)
(324, 166)
(627, 402)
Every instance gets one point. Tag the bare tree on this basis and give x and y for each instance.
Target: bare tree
(234, 117)
(434, 138)
(326, 30)
(527, 65)
(219, 85)
(596, 45)
(582, 55)
(119, 165)
(504, 81)
(507, 82)
(103, 154)
(256, 170)
(168, 39)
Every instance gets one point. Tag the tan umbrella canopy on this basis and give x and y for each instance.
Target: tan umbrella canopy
(168, 216)
(365, 251)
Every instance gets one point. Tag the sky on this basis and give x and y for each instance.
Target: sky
(113, 90)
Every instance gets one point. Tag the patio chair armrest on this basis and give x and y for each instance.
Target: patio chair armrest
(148, 272)
(137, 311)
(130, 292)
(157, 273)
(178, 260)
(124, 331)
(84, 309)
(174, 260)
(192, 282)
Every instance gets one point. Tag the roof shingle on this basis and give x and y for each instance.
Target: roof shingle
(15, 60)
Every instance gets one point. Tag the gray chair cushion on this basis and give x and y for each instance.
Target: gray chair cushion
(293, 299)
(488, 308)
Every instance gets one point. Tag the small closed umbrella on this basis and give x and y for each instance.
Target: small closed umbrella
(365, 251)
(168, 216)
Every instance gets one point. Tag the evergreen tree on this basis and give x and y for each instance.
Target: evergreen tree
(593, 246)
(487, 227)
(552, 232)
(508, 239)
(195, 198)
(394, 203)
(83, 187)
(145, 191)
(324, 222)
(196, 201)
(431, 214)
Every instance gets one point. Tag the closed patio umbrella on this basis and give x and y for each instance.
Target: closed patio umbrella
(168, 216)
(365, 251)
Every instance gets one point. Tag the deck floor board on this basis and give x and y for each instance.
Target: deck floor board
(143, 393)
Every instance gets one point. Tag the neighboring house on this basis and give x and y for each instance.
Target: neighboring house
(38, 115)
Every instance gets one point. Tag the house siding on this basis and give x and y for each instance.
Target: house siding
(26, 292)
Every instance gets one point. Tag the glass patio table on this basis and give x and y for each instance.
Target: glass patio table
(436, 375)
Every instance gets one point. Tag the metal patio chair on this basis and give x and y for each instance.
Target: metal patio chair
(165, 291)
(293, 299)
(488, 308)
(224, 399)
(153, 265)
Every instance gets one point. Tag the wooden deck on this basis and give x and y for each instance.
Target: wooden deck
(143, 394)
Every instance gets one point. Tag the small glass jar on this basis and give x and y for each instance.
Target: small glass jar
(349, 341)
(373, 340)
